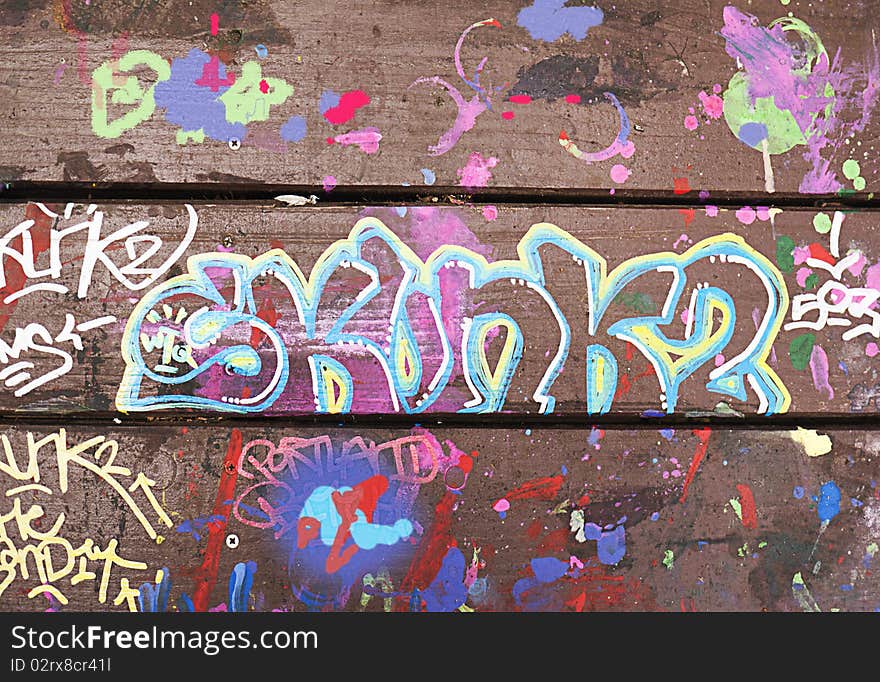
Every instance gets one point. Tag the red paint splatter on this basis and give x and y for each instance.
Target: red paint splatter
(349, 102)
(215, 23)
(555, 541)
(432, 547)
(264, 86)
(688, 213)
(15, 277)
(573, 99)
(269, 315)
(680, 186)
(818, 252)
(630, 350)
(466, 463)
(584, 500)
(331, 140)
(747, 506)
(623, 387)
(538, 488)
(520, 99)
(699, 454)
(206, 575)
(507, 115)
(534, 529)
(371, 490)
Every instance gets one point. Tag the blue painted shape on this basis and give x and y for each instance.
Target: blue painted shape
(240, 582)
(548, 569)
(752, 133)
(549, 20)
(447, 591)
(601, 378)
(294, 129)
(611, 546)
(329, 99)
(828, 504)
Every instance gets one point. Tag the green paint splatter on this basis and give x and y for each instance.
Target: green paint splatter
(822, 223)
(184, 136)
(800, 349)
(859, 183)
(742, 551)
(109, 78)
(668, 559)
(762, 544)
(811, 282)
(641, 303)
(851, 169)
(251, 96)
(737, 507)
(873, 548)
(785, 253)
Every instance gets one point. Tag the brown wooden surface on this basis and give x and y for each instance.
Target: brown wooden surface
(728, 529)
(34, 324)
(655, 58)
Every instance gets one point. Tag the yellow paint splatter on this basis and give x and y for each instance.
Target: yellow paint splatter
(814, 443)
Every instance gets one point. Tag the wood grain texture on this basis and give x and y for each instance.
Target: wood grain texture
(685, 520)
(655, 58)
(91, 314)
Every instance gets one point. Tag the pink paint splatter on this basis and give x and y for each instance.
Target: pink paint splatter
(490, 213)
(264, 86)
(349, 103)
(573, 99)
(872, 278)
(367, 139)
(520, 99)
(619, 173)
(819, 370)
(215, 23)
(763, 213)
(59, 72)
(691, 122)
(872, 349)
(682, 239)
(746, 215)
(801, 276)
(477, 172)
(713, 105)
(685, 316)
(329, 183)
(800, 254)
(719, 360)
(712, 211)
(508, 115)
(501, 505)
(856, 268)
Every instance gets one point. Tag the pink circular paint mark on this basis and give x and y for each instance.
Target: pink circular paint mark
(490, 212)
(628, 150)
(801, 276)
(746, 215)
(619, 173)
(690, 122)
(716, 88)
(711, 211)
(573, 99)
(501, 506)
(329, 183)
(507, 115)
(871, 349)
(719, 360)
(763, 213)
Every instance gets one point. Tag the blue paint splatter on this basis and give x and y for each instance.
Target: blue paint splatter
(153, 598)
(655, 516)
(195, 107)
(294, 130)
(798, 492)
(549, 20)
(401, 211)
(667, 433)
(447, 592)
(429, 176)
(752, 133)
(592, 531)
(240, 582)
(612, 546)
(329, 99)
(828, 504)
(261, 51)
(548, 569)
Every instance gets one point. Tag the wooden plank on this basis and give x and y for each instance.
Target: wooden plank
(438, 310)
(77, 85)
(545, 519)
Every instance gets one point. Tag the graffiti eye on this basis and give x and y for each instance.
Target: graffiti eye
(234, 143)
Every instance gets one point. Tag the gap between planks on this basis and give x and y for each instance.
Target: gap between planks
(378, 195)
